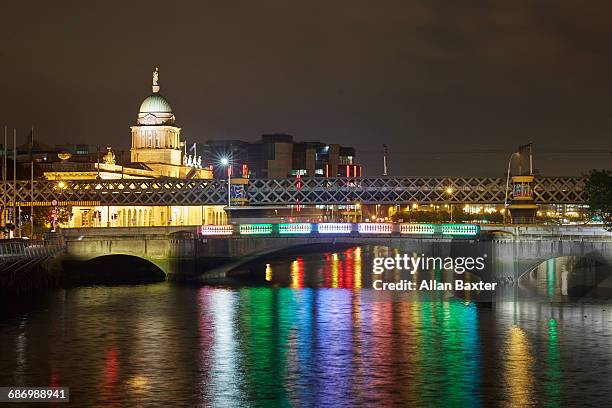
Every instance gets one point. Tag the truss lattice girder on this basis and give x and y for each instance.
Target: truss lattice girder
(387, 190)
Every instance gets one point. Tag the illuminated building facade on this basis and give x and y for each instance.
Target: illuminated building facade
(156, 152)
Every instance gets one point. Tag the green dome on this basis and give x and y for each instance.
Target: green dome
(155, 110)
(155, 104)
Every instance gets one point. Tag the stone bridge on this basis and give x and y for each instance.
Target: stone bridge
(181, 253)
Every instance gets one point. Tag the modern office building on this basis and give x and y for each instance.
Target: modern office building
(279, 156)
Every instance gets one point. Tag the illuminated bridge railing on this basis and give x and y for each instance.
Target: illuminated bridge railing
(421, 229)
(341, 229)
(316, 190)
(334, 228)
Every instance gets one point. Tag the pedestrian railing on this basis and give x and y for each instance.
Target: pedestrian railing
(24, 248)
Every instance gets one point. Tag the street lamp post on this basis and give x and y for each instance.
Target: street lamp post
(226, 163)
(449, 191)
(508, 183)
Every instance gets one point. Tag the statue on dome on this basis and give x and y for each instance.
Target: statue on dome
(199, 162)
(189, 161)
(184, 160)
(155, 79)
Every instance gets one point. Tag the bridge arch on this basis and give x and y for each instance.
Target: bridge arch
(118, 268)
(570, 275)
(443, 248)
(226, 268)
(519, 257)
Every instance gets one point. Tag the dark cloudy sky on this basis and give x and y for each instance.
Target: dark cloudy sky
(451, 86)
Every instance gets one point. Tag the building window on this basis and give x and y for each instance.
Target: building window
(81, 149)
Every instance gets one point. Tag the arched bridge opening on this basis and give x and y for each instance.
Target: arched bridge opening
(113, 269)
(574, 276)
(240, 266)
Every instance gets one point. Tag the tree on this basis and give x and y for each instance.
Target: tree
(599, 195)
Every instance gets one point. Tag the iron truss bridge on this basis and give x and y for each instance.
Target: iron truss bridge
(304, 191)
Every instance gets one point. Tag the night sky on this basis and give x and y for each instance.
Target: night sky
(453, 87)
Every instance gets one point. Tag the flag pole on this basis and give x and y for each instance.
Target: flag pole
(32, 181)
(15, 217)
(98, 160)
(4, 161)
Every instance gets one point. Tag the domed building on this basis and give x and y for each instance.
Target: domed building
(156, 152)
(156, 141)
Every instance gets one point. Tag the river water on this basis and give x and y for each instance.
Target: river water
(310, 331)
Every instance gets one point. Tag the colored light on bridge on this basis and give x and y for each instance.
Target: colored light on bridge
(460, 229)
(425, 229)
(374, 228)
(255, 229)
(335, 228)
(299, 228)
(216, 229)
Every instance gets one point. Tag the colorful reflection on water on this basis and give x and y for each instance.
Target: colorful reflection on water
(312, 335)
(351, 269)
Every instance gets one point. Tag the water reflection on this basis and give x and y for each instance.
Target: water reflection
(312, 334)
(518, 369)
(352, 269)
(110, 376)
(224, 387)
(553, 372)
